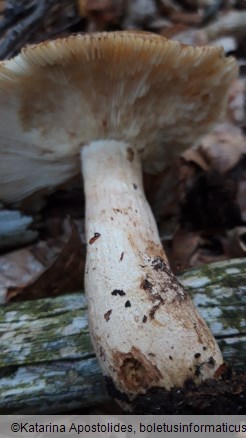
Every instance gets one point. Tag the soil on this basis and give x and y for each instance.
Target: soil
(226, 397)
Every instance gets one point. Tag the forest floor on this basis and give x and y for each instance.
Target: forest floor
(202, 220)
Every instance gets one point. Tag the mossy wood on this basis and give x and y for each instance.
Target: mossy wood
(47, 363)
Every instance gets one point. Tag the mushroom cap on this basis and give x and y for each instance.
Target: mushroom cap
(157, 95)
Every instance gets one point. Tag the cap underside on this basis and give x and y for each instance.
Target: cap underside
(155, 94)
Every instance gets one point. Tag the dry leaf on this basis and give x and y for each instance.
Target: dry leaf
(158, 24)
(2, 6)
(191, 36)
(139, 12)
(82, 7)
(173, 30)
(192, 18)
(223, 148)
(46, 252)
(162, 191)
(236, 102)
(190, 249)
(63, 276)
(101, 13)
(241, 197)
(194, 156)
(169, 6)
(228, 43)
(16, 270)
(202, 257)
(231, 23)
(236, 244)
(184, 245)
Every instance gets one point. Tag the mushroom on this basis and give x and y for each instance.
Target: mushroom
(120, 101)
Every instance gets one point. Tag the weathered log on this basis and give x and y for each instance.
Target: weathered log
(47, 362)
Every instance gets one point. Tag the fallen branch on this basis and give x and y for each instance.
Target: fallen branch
(47, 363)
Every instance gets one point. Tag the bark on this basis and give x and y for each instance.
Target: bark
(47, 363)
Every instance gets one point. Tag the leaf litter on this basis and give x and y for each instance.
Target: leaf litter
(201, 214)
(203, 218)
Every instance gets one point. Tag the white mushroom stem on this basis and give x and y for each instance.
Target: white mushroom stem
(144, 327)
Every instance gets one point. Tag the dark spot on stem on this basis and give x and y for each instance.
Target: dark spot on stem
(197, 355)
(121, 256)
(146, 285)
(144, 318)
(94, 238)
(211, 361)
(107, 315)
(159, 264)
(101, 354)
(197, 370)
(135, 186)
(130, 154)
(127, 303)
(172, 283)
(154, 309)
(119, 292)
